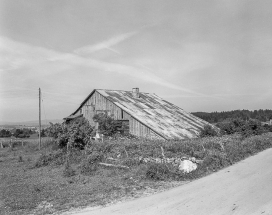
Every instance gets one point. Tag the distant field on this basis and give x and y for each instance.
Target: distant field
(30, 123)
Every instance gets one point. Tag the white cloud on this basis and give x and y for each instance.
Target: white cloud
(43, 62)
(67, 78)
(107, 44)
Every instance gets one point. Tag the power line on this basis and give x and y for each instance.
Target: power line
(32, 96)
(14, 93)
(62, 101)
(15, 90)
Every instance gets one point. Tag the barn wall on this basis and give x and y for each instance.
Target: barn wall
(98, 103)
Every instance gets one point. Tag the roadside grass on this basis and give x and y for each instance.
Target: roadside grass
(51, 180)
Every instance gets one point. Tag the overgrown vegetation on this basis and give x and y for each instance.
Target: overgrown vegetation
(77, 132)
(89, 164)
(209, 131)
(231, 126)
(18, 133)
(71, 170)
(107, 125)
(5, 133)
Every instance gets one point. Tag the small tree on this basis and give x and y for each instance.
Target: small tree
(231, 126)
(54, 130)
(252, 127)
(77, 132)
(5, 133)
(208, 131)
(106, 124)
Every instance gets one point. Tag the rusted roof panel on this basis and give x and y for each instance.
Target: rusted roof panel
(161, 116)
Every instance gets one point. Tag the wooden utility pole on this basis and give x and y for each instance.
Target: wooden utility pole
(39, 118)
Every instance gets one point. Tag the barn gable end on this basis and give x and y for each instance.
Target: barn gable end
(97, 103)
(147, 114)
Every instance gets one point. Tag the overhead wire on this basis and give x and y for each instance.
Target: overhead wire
(15, 90)
(57, 100)
(11, 94)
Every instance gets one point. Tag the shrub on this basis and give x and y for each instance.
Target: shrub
(231, 126)
(95, 157)
(5, 133)
(157, 171)
(54, 130)
(23, 133)
(243, 127)
(107, 125)
(43, 160)
(90, 164)
(56, 157)
(77, 132)
(268, 128)
(252, 127)
(208, 131)
(106, 147)
(215, 160)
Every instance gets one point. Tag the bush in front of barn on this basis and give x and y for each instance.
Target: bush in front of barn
(77, 132)
(216, 152)
(89, 164)
(106, 124)
(112, 128)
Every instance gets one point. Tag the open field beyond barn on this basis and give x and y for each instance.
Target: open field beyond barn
(53, 180)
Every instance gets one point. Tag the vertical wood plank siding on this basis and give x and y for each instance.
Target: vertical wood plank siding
(100, 103)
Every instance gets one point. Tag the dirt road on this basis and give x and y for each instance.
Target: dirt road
(244, 188)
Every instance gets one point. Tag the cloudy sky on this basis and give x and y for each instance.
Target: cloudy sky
(200, 55)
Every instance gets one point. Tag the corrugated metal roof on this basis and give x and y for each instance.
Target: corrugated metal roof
(164, 118)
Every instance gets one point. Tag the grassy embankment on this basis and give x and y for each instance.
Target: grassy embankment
(42, 182)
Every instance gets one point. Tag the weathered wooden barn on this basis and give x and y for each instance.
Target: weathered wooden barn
(145, 114)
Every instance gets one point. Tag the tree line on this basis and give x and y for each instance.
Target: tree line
(216, 117)
(18, 133)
